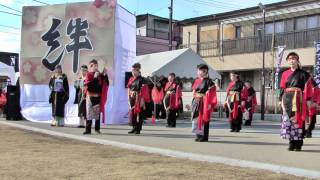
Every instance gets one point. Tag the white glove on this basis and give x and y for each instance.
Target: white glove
(96, 74)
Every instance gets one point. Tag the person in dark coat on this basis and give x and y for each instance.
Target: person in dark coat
(59, 95)
(80, 95)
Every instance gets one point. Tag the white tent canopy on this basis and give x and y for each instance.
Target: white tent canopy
(6, 70)
(182, 62)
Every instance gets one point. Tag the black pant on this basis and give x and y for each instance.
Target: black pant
(236, 124)
(249, 121)
(295, 144)
(312, 125)
(147, 113)
(160, 111)
(89, 125)
(172, 118)
(227, 112)
(137, 121)
(205, 136)
(206, 130)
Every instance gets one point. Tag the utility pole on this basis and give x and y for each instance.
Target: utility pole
(262, 7)
(170, 24)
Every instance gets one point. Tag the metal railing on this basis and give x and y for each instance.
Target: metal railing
(292, 40)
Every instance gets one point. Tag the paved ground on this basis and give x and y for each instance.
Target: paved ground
(260, 143)
(27, 155)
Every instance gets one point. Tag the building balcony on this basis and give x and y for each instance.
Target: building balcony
(292, 40)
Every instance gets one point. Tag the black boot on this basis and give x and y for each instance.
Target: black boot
(198, 138)
(97, 127)
(138, 129)
(203, 139)
(247, 123)
(88, 127)
(308, 134)
(291, 145)
(139, 125)
(232, 126)
(299, 145)
(133, 130)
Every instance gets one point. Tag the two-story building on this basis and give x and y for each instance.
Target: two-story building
(153, 34)
(230, 41)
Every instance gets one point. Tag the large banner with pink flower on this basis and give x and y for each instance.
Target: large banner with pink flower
(67, 34)
(72, 35)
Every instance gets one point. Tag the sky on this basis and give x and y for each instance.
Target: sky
(10, 24)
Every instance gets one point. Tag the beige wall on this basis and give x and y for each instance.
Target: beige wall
(193, 36)
(254, 60)
(208, 32)
(228, 31)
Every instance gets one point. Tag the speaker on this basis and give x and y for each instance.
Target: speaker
(13, 103)
(128, 75)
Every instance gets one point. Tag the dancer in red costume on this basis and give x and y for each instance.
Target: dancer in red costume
(137, 94)
(295, 96)
(237, 96)
(204, 100)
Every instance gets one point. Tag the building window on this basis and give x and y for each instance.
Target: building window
(289, 25)
(238, 32)
(312, 22)
(269, 28)
(161, 25)
(301, 23)
(256, 29)
(279, 27)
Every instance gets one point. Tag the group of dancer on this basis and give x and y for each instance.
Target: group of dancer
(91, 93)
(298, 98)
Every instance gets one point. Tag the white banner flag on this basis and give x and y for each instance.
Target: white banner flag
(280, 53)
(317, 64)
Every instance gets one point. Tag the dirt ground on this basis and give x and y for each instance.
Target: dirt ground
(27, 155)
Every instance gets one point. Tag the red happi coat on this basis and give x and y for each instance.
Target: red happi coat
(315, 99)
(3, 100)
(298, 79)
(174, 98)
(253, 101)
(157, 95)
(103, 84)
(236, 99)
(143, 92)
(209, 99)
(104, 97)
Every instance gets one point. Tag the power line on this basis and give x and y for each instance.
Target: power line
(10, 8)
(40, 2)
(10, 33)
(11, 27)
(202, 3)
(223, 3)
(10, 13)
(206, 3)
(157, 10)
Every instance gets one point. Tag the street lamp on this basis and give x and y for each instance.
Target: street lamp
(263, 8)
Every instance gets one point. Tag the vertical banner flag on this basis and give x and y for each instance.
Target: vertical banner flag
(280, 53)
(317, 64)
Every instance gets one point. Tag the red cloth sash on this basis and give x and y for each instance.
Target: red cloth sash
(174, 98)
(209, 99)
(157, 95)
